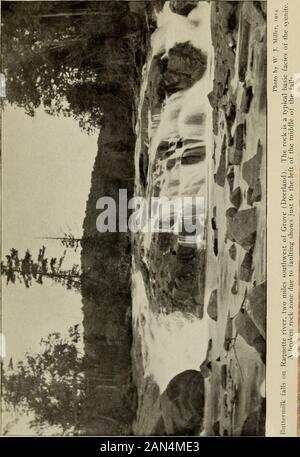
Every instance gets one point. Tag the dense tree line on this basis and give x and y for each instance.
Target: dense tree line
(49, 383)
(79, 59)
(28, 269)
(65, 56)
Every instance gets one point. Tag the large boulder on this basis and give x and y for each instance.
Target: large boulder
(243, 50)
(251, 168)
(256, 306)
(182, 403)
(205, 368)
(236, 197)
(221, 171)
(246, 99)
(235, 154)
(251, 424)
(230, 178)
(183, 7)
(232, 252)
(255, 423)
(212, 308)
(246, 269)
(254, 195)
(242, 226)
(247, 329)
(251, 174)
(185, 65)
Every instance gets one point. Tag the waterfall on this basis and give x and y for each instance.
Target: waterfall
(171, 343)
(173, 28)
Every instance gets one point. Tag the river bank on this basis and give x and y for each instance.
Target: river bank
(203, 309)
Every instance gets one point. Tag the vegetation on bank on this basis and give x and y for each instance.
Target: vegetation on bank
(65, 56)
(82, 60)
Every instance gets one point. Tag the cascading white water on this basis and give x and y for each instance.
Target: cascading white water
(175, 342)
(171, 343)
(181, 111)
(173, 28)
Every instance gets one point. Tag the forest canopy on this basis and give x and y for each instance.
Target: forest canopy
(49, 383)
(65, 56)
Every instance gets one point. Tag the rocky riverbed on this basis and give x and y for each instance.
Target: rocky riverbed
(199, 311)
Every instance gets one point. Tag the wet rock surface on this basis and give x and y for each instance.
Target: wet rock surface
(182, 403)
(246, 268)
(257, 306)
(242, 227)
(221, 171)
(246, 100)
(251, 174)
(215, 284)
(184, 66)
(254, 425)
(230, 178)
(238, 101)
(251, 168)
(247, 329)
(233, 252)
(183, 7)
(236, 197)
(212, 308)
(237, 151)
(234, 288)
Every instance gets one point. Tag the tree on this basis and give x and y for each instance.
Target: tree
(27, 270)
(64, 55)
(106, 243)
(68, 240)
(50, 383)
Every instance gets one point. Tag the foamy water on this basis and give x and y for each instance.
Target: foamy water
(173, 28)
(170, 343)
(175, 342)
(177, 119)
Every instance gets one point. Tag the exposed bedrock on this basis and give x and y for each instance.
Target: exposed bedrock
(183, 7)
(257, 299)
(236, 197)
(212, 308)
(184, 66)
(246, 99)
(235, 153)
(254, 424)
(246, 269)
(230, 178)
(182, 403)
(242, 226)
(251, 174)
(233, 252)
(250, 323)
(221, 171)
(246, 328)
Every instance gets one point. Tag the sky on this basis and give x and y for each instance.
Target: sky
(47, 164)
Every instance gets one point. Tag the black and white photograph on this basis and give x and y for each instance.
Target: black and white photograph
(134, 241)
